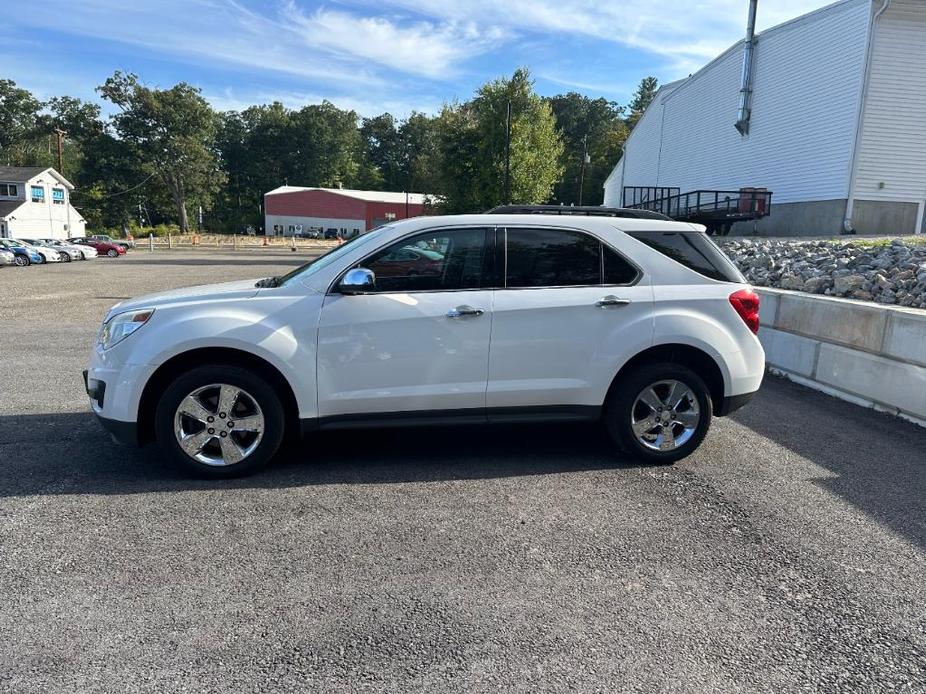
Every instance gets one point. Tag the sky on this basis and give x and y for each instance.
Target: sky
(369, 55)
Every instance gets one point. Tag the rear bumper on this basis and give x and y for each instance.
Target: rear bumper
(731, 403)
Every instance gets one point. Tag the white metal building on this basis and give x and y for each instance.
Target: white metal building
(835, 123)
(35, 202)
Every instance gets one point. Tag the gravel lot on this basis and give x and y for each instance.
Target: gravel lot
(788, 554)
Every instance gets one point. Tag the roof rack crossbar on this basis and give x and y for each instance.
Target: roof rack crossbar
(586, 210)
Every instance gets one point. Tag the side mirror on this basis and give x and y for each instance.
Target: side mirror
(357, 281)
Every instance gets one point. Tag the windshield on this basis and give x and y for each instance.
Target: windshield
(324, 260)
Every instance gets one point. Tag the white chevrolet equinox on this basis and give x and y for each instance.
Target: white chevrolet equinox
(615, 316)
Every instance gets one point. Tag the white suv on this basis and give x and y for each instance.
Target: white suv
(641, 323)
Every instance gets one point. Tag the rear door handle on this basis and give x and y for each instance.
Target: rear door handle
(461, 311)
(611, 300)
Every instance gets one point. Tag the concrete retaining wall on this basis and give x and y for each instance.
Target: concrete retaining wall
(868, 354)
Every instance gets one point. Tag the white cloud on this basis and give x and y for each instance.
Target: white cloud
(683, 33)
(421, 48)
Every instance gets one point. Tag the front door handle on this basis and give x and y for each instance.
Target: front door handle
(464, 310)
(611, 300)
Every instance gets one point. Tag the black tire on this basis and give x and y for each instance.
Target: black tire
(255, 386)
(112, 253)
(22, 261)
(65, 257)
(622, 403)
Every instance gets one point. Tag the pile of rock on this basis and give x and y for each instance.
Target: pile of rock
(894, 273)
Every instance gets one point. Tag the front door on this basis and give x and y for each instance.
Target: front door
(420, 341)
(3, 231)
(569, 312)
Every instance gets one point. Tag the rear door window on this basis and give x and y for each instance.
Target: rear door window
(694, 250)
(561, 258)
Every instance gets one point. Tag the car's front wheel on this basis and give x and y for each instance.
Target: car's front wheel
(659, 413)
(112, 252)
(220, 421)
(66, 257)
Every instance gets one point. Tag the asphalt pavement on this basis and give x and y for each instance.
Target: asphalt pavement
(787, 555)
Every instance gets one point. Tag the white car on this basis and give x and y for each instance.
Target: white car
(7, 257)
(640, 323)
(49, 255)
(66, 255)
(74, 251)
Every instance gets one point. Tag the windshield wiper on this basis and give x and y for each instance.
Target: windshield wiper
(268, 282)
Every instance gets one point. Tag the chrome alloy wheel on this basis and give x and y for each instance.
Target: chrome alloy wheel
(665, 415)
(219, 424)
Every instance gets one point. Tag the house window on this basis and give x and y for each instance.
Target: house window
(57, 196)
(8, 190)
(390, 216)
(38, 194)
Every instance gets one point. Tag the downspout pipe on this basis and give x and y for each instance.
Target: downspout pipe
(848, 227)
(749, 46)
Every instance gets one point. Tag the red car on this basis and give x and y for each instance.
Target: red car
(409, 261)
(102, 247)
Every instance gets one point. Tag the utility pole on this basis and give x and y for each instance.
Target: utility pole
(585, 160)
(508, 155)
(60, 133)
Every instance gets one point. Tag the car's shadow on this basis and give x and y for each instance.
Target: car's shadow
(873, 461)
(70, 454)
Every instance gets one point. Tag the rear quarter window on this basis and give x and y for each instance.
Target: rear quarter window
(694, 250)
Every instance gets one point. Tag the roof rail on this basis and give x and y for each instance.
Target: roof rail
(586, 210)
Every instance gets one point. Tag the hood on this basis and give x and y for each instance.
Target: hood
(240, 289)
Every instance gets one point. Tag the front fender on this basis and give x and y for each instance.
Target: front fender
(283, 335)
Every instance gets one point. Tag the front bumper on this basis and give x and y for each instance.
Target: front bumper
(121, 432)
(125, 433)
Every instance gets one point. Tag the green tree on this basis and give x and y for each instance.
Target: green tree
(19, 111)
(472, 142)
(172, 135)
(419, 135)
(596, 125)
(385, 152)
(642, 98)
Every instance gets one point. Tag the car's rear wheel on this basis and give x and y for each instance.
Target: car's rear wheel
(112, 252)
(659, 413)
(220, 421)
(21, 260)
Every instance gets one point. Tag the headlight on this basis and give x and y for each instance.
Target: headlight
(120, 326)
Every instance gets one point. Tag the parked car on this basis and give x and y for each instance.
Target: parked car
(7, 257)
(105, 238)
(22, 255)
(77, 252)
(330, 233)
(111, 250)
(49, 255)
(639, 323)
(66, 254)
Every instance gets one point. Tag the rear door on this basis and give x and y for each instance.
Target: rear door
(570, 311)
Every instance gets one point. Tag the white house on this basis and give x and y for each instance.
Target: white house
(35, 202)
(834, 123)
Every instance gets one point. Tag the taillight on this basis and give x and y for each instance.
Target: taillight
(746, 304)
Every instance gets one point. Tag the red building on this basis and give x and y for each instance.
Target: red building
(295, 210)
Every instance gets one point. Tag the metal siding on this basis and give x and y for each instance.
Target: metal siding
(807, 81)
(893, 142)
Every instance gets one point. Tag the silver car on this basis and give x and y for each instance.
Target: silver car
(67, 251)
(7, 257)
(49, 255)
